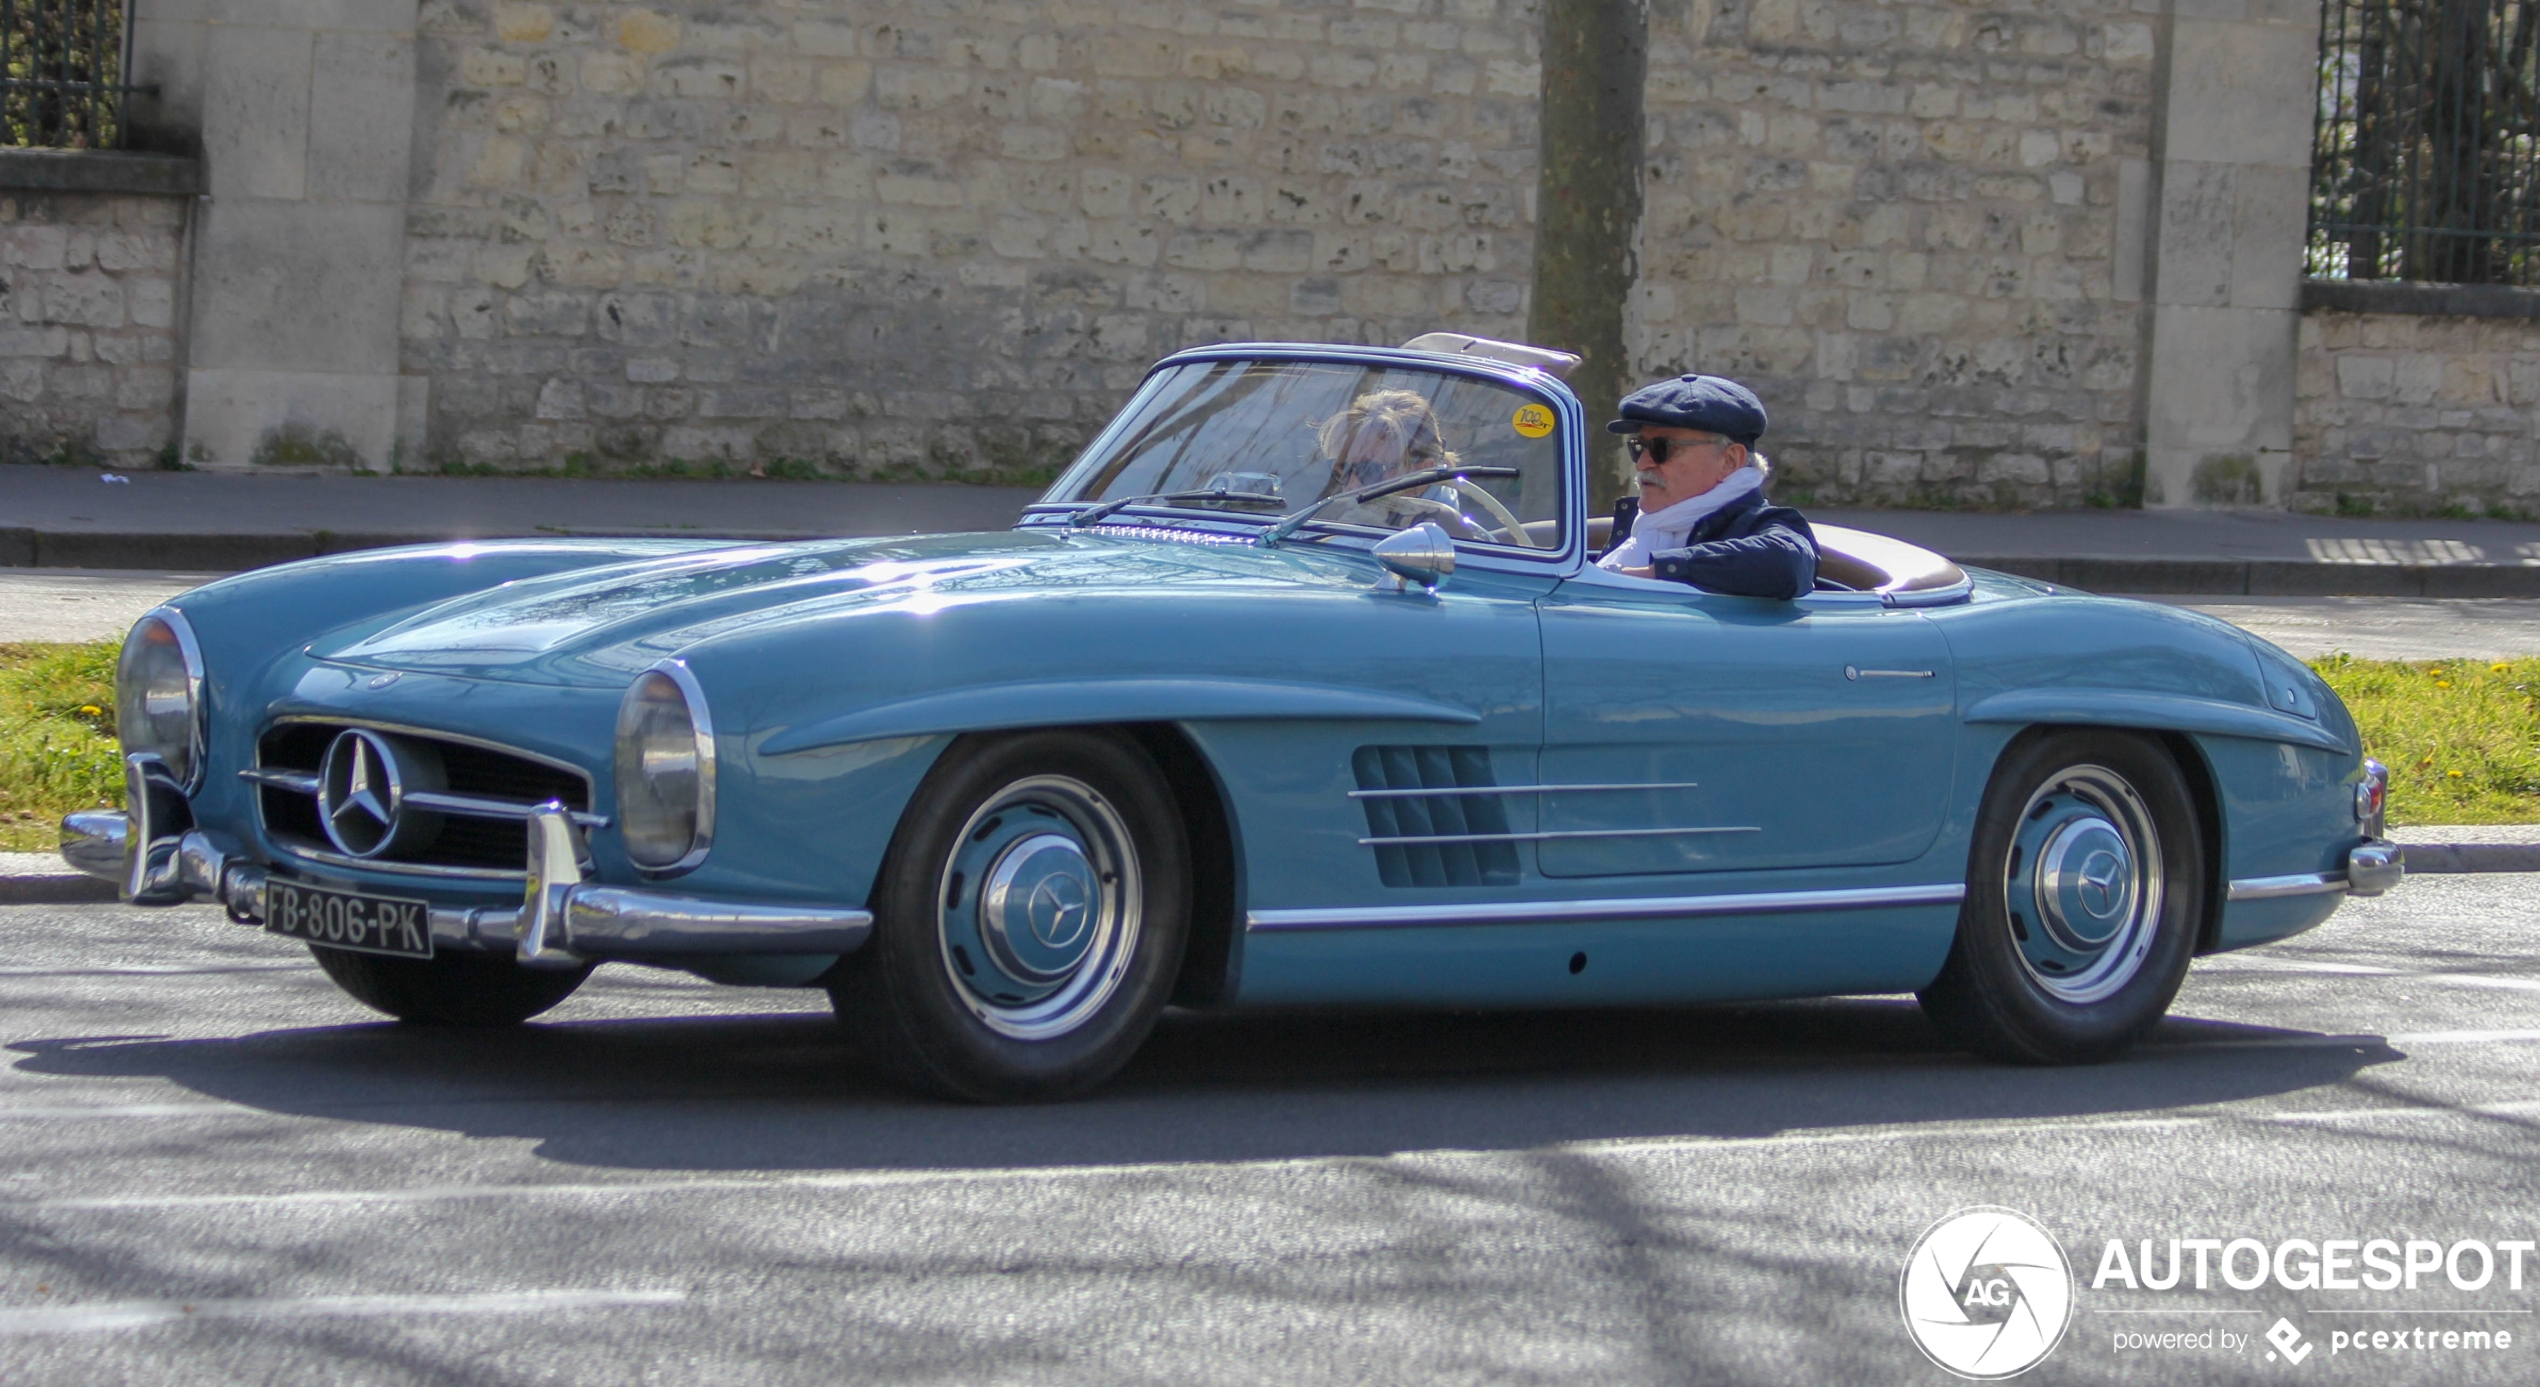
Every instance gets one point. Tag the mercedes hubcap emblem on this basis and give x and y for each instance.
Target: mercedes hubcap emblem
(1058, 910)
(2099, 882)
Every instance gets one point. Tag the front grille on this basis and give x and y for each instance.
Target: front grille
(494, 841)
(1483, 817)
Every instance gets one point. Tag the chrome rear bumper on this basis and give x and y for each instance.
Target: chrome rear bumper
(563, 923)
(2372, 868)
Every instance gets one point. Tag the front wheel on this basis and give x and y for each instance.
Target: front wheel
(1029, 920)
(448, 989)
(2086, 892)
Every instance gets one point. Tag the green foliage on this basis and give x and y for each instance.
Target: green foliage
(58, 54)
(2461, 737)
(57, 739)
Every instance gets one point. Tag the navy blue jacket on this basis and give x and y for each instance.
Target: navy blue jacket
(1747, 548)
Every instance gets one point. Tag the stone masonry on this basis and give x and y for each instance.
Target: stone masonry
(929, 239)
(88, 339)
(2044, 254)
(2414, 415)
(1898, 221)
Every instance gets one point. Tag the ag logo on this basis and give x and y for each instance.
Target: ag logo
(1986, 1293)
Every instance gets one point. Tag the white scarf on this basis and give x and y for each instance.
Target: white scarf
(1667, 529)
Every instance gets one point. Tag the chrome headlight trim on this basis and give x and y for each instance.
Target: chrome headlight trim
(701, 732)
(190, 653)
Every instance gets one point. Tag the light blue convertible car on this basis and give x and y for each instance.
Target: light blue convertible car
(1241, 714)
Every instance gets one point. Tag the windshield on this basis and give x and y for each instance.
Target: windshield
(1264, 438)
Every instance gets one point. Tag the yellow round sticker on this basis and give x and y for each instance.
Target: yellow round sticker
(1534, 421)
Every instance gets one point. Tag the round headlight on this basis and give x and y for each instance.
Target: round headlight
(158, 693)
(665, 769)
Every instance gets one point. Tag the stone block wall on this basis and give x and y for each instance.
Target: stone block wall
(932, 237)
(1899, 221)
(2417, 415)
(88, 327)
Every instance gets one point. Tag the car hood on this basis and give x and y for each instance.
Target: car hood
(602, 625)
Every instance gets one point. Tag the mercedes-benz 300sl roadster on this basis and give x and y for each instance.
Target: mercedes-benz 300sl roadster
(1300, 686)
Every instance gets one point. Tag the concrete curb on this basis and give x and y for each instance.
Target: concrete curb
(64, 887)
(234, 553)
(2268, 577)
(2441, 859)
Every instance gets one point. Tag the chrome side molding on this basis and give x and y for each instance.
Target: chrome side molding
(1625, 908)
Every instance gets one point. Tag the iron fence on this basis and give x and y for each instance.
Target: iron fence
(63, 65)
(2425, 160)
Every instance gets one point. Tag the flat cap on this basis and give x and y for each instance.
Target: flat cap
(1713, 404)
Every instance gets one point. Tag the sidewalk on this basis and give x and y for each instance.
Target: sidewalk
(2230, 553)
(65, 517)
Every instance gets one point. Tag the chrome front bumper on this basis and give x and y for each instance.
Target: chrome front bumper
(562, 922)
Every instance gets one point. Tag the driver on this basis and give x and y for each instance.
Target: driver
(1382, 435)
(1701, 516)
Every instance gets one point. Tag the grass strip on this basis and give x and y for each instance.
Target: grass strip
(57, 739)
(2461, 737)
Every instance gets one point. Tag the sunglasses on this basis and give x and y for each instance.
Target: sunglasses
(1656, 449)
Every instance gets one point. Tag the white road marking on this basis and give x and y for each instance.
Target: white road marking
(2360, 970)
(875, 1179)
(121, 970)
(140, 1314)
(106, 1110)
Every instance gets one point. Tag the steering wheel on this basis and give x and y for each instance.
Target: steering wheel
(1480, 496)
(1414, 509)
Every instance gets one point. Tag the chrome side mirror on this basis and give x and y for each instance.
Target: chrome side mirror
(1423, 554)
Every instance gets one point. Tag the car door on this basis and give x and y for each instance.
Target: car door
(1690, 732)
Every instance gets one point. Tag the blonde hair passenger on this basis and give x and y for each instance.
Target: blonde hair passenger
(1382, 434)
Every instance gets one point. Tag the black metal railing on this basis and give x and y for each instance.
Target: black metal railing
(63, 70)
(2425, 161)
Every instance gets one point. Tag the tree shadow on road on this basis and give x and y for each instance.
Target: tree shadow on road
(785, 1092)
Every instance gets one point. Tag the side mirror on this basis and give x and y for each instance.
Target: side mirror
(1423, 554)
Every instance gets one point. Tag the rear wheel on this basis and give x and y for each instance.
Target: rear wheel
(2086, 893)
(448, 989)
(1029, 921)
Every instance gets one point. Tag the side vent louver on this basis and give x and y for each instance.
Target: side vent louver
(1423, 816)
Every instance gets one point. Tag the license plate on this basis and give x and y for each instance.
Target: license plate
(346, 920)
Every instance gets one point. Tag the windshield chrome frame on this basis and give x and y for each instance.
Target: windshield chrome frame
(1546, 388)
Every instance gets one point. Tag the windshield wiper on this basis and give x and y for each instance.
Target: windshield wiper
(1086, 517)
(1408, 481)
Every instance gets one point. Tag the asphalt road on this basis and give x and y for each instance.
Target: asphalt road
(217, 1169)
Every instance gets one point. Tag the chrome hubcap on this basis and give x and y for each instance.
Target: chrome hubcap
(1038, 909)
(2083, 884)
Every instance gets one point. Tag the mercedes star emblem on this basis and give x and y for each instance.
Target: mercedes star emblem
(361, 792)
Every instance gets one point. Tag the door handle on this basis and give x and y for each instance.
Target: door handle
(1856, 672)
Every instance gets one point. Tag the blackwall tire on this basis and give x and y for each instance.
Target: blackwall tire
(1029, 921)
(2087, 889)
(469, 990)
